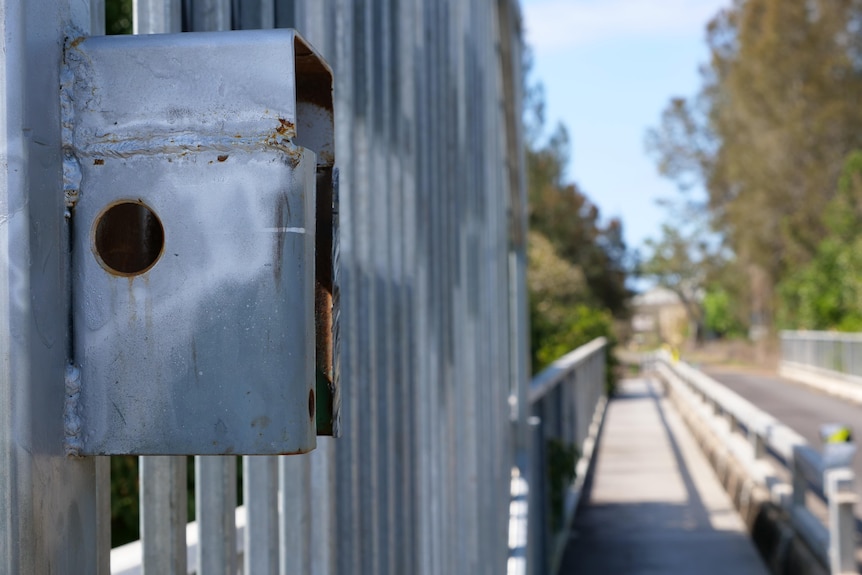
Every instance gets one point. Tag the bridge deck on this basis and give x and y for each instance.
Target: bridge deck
(654, 505)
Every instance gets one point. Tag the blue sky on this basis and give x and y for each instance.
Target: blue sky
(609, 67)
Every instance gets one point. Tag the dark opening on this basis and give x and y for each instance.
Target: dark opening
(128, 238)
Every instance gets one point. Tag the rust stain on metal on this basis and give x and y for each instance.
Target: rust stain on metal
(297, 452)
(284, 126)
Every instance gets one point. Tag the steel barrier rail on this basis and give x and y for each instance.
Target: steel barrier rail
(567, 404)
(827, 361)
(749, 433)
(827, 350)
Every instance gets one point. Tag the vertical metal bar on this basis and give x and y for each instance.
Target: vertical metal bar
(308, 541)
(260, 496)
(408, 453)
(103, 514)
(841, 498)
(48, 502)
(348, 456)
(211, 15)
(215, 504)
(164, 514)
(537, 521)
(370, 407)
(294, 486)
(758, 444)
(798, 482)
(285, 17)
(156, 16)
(97, 17)
(324, 544)
(254, 14)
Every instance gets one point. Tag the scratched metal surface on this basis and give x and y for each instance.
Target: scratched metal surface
(211, 349)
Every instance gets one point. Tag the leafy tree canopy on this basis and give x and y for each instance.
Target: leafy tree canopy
(778, 110)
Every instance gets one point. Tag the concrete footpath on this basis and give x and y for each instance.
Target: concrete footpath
(654, 505)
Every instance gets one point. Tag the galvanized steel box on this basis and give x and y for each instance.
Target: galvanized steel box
(192, 218)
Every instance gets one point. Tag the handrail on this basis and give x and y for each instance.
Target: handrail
(566, 403)
(833, 544)
(821, 335)
(776, 436)
(552, 375)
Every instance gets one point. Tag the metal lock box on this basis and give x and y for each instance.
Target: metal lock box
(198, 182)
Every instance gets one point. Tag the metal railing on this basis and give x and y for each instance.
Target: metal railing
(749, 434)
(837, 354)
(567, 404)
(433, 308)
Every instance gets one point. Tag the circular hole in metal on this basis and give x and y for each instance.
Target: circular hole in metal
(311, 403)
(128, 238)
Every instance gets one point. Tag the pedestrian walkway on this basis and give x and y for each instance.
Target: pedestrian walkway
(654, 505)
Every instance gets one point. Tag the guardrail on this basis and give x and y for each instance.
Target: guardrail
(826, 350)
(748, 434)
(567, 404)
(826, 360)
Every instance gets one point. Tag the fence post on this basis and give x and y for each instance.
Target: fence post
(48, 501)
(215, 504)
(798, 481)
(758, 445)
(842, 523)
(537, 520)
(164, 514)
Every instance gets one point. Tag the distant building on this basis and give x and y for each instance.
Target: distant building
(659, 316)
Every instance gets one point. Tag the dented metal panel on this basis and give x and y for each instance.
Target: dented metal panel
(193, 214)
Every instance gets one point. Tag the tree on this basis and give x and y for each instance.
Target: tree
(778, 110)
(567, 218)
(826, 293)
(563, 312)
(577, 263)
(677, 263)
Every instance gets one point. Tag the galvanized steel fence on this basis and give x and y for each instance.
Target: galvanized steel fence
(840, 353)
(433, 324)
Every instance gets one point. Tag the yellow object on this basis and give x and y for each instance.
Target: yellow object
(842, 435)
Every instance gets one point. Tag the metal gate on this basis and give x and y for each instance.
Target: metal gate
(433, 312)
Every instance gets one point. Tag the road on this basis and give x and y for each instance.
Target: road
(799, 407)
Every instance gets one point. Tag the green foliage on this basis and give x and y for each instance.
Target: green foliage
(572, 224)
(551, 339)
(118, 16)
(125, 518)
(826, 293)
(679, 263)
(720, 317)
(777, 112)
(823, 295)
(125, 496)
(563, 312)
(561, 460)
(577, 263)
